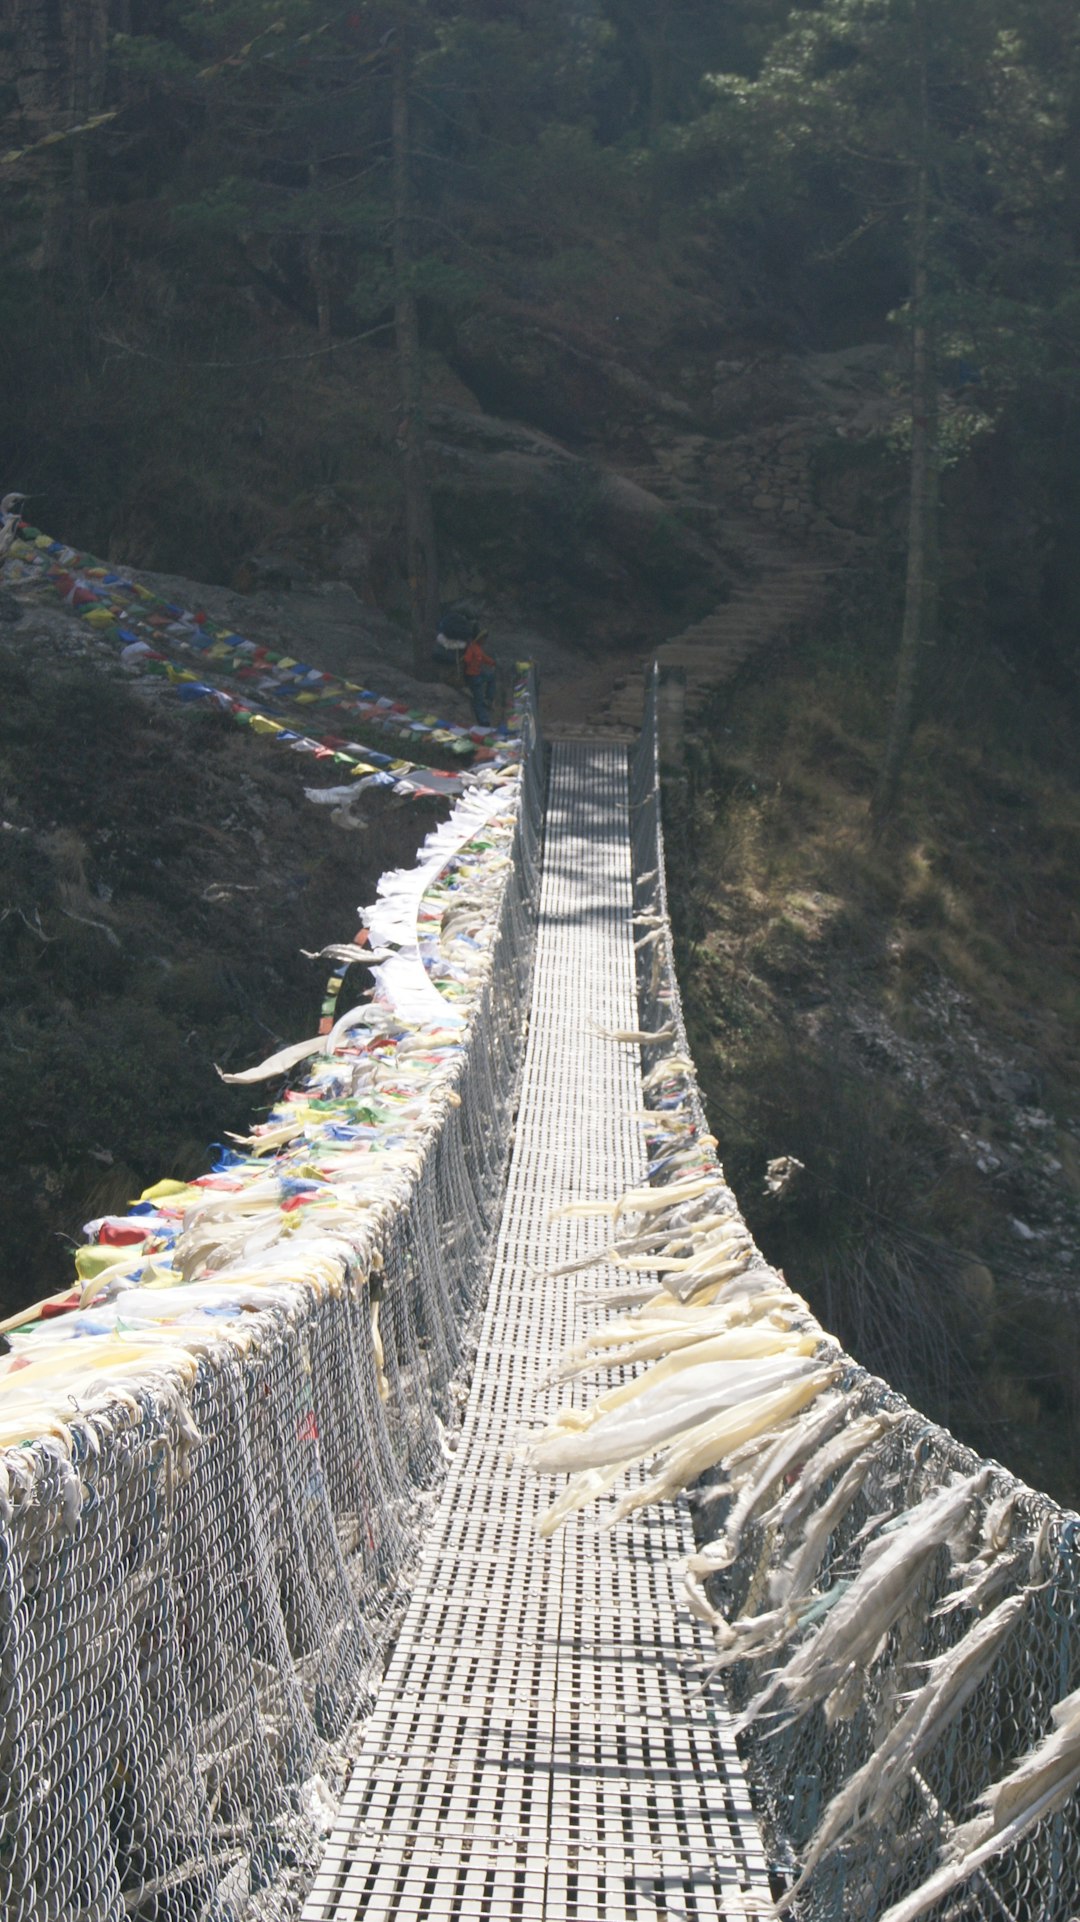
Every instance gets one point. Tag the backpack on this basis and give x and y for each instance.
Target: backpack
(456, 626)
(456, 630)
(447, 651)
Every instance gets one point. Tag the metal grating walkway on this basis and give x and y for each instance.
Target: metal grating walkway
(536, 1750)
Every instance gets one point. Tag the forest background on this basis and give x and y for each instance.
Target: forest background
(597, 316)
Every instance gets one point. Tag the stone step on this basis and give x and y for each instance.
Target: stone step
(790, 584)
(759, 621)
(702, 666)
(741, 609)
(773, 597)
(623, 724)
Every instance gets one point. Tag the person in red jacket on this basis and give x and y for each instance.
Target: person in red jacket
(479, 671)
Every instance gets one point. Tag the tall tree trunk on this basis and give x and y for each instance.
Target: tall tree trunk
(61, 51)
(82, 101)
(658, 58)
(1071, 141)
(38, 28)
(419, 519)
(659, 61)
(921, 583)
(317, 270)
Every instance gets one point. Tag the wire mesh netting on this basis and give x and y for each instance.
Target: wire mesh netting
(536, 1750)
(799, 1765)
(196, 1585)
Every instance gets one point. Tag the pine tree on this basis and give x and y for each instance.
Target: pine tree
(891, 129)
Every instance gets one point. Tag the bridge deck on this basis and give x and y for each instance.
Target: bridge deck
(537, 1750)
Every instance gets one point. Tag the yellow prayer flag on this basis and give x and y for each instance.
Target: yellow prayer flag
(161, 1189)
(91, 1260)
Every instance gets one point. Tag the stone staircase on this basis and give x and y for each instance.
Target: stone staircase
(788, 586)
(784, 564)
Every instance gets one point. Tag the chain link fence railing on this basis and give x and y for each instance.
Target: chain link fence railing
(197, 1579)
(798, 1766)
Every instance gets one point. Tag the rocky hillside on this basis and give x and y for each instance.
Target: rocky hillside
(160, 873)
(899, 1013)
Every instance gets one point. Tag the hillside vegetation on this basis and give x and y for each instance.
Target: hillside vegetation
(901, 1014)
(160, 873)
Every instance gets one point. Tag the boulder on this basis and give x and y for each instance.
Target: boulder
(539, 519)
(570, 387)
(1068, 1148)
(977, 1286)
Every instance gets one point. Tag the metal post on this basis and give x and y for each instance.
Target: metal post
(671, 719)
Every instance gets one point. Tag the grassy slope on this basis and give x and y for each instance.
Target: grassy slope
(904, 1018)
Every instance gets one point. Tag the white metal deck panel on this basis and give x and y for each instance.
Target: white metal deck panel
(537, 1752)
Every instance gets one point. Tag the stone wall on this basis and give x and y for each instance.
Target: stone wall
(795, 404)
(770, 472)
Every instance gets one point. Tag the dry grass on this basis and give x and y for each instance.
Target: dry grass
(826, 973)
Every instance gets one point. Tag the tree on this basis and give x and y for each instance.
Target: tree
(307, 166)
(58, 66)
(921, 585)
(420, 550)
(894, 126)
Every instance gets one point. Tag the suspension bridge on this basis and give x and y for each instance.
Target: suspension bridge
(279, 1635)
(540, 1746)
